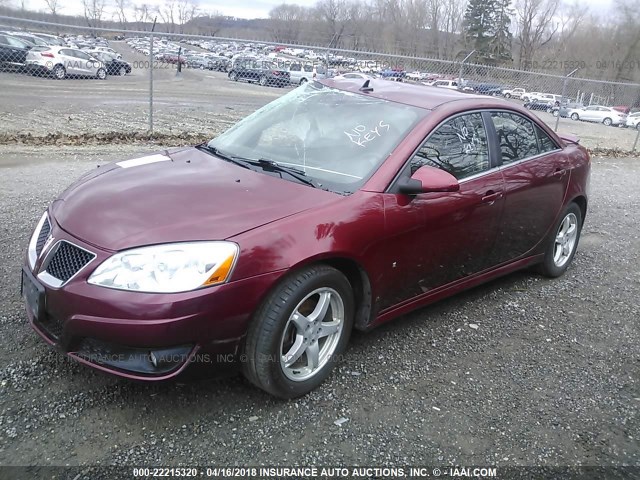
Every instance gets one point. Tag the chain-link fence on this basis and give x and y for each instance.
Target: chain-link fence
(72, 80)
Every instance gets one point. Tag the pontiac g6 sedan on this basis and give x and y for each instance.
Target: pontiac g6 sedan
(340, 205)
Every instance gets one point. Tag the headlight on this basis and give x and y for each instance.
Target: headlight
(170, 268)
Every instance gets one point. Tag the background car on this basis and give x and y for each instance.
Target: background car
(601, 114)
(113, 65)
(566, 109)
(300, 73)
(264, 72)
(63, 61)
(447, 84)
(514, 92)
(13, 51)
(633, 120)
(354, 75)
(544, 105)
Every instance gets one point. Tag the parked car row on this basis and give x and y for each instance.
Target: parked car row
(59, 57)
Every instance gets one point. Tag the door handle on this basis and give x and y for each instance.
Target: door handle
(491, 196)
(559, 172)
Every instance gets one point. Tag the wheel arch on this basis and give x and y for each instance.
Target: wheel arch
(581, 201)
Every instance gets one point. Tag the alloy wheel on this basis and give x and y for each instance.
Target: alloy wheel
(565, 240)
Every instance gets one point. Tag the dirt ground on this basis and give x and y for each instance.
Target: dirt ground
(549, 377)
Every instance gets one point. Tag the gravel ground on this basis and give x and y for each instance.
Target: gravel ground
(198, 102)
(549, 376)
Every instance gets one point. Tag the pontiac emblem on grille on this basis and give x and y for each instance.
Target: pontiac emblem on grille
(47, 244)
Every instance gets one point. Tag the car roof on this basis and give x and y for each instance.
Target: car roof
(422, 96)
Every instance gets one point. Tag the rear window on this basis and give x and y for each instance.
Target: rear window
(40, 49)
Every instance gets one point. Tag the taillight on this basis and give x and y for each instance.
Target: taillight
(47, 54)
(275, 72)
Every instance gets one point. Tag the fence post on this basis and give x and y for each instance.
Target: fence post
(564, 91)
(462, 67)
(635, 144)
(153, 27)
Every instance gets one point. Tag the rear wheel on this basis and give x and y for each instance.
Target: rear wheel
(263, 81)
(574, 116)
(122, 72)
(562, 247)
(303, 81)
(233, 76)
(556, 113)
(101, 74)
(59, 72)
(638, 126)
(299, 332)
(507, 95)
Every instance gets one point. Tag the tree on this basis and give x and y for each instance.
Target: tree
(536, 27)
(121, 8)
(93, 11)
(286, 22)
(486, 30)
(53, 6)
(187, 11)
(167, 12)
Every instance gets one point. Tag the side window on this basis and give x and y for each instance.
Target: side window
(516, 136)
(545, 141)
(308, 68)
(459, 147)
(82, 55)
(295, 67)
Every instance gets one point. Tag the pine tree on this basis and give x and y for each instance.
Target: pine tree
(486, 30)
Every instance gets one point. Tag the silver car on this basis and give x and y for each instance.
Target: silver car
(303, 72)
(62, 62)
(599, 114)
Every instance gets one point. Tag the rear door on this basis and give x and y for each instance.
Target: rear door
(536, 176)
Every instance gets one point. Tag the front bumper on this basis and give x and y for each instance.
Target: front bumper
(132, 334)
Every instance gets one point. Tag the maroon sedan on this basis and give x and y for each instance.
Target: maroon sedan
(337, 206)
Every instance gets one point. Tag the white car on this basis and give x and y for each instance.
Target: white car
(63, 61)
(600, 114)
(109, 50)
(353, 75)
(448, 84)
(531, 96)
(633, 120)
(514, 93)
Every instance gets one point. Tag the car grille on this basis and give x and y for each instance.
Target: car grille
(67, 261)
(52, 326)
(42, 236)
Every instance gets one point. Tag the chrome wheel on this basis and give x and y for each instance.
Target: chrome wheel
(312, 334)
(565, 241)
(122, 72)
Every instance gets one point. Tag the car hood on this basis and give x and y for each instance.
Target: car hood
(183, 195)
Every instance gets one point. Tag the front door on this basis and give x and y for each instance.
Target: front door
(438, 238)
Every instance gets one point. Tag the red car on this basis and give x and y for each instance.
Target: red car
(340, 205)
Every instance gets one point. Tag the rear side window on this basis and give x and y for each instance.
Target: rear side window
(308, 68)
(545, 142)
(459, 147)
(516, 136)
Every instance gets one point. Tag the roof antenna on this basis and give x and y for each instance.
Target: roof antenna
(365, 87)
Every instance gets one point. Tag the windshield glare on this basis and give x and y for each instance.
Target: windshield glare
(337, 138)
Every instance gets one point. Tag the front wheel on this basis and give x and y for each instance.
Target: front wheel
(233, 76)
(556, 113)
(574, 116)
(562, 247)
(263, 81)
(299, 332)
(607, 122)
(123, 71)
(507, 95)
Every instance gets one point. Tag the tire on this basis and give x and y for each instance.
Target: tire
(607, 121)
(556, 113)
(122, 72)
(574, 116)
(263, 81)
(560, 251)
(638, 126)
(549, 110)
(101, 74)
(59, 73)
(507, 95)
(274, 332)
(233, 76)
(303, 81)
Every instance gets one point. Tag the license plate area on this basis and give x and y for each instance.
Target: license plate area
(33, 294)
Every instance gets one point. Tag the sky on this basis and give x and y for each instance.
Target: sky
(245, 8)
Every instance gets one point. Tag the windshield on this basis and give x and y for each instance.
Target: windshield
(337, 138)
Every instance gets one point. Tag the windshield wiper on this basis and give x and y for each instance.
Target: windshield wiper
(271, 166)
(266, 165)
(229, 158)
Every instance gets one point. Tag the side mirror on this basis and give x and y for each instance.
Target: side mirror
(428, 179)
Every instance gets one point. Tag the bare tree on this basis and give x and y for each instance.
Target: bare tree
(187, 11)
(167, 12)
(94, 11)
(53, 6)
(286, 22)
(536, 27)
(121, 8)
(141, 15)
